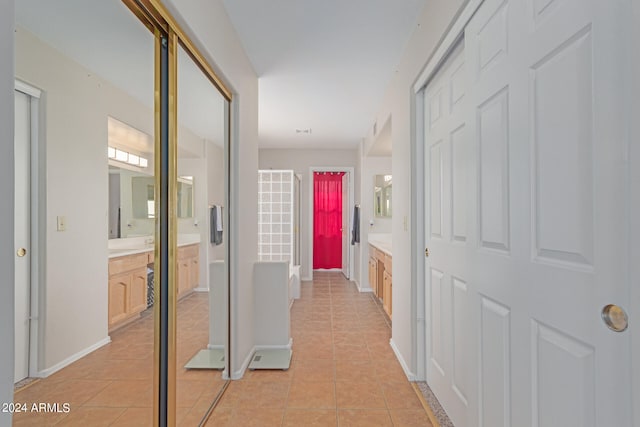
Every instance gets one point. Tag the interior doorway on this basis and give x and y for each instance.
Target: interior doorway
(340, 252)
(327, 220)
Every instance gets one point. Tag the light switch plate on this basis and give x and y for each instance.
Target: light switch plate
(62, 223)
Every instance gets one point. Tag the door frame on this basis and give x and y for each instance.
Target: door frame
(350, 172)
(37, 222)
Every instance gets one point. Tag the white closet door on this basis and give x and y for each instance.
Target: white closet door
(448, 300)
(22, 233)
(547, 220)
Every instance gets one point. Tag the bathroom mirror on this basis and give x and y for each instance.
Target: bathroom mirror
(142, 197)
(382, 192)
(131, 199)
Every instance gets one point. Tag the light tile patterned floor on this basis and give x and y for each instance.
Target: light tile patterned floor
(343, 371)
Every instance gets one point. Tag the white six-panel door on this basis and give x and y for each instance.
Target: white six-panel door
(446, 151)
(527, 217)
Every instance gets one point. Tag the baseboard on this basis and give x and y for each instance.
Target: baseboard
(275, 347)
(238, 374)
(361, 289)
(69, 360)
(215, 346)
(200, 289)
(410, 375)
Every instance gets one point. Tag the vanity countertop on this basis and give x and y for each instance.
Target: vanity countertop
(142, 244)
(381, 241)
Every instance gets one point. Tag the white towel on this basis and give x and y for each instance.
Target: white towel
(218, 218)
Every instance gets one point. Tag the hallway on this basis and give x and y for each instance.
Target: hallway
(343, 370)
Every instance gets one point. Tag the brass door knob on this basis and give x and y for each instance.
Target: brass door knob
(22, 252)
(615, 318)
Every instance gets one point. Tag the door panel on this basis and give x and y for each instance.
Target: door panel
(22, 141)
(138, 291)
(448, 299)
(540, 171)
(493, 168)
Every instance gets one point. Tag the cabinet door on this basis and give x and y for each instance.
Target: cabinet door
(184, 273)
(390, 297)
(380, 277)
(373, 275)
(138, 291)
(118, 297)
(194, 274)
(386, 293)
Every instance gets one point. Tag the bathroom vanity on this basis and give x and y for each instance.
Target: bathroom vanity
(129, 263)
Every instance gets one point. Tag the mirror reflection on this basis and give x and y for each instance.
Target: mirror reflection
(97, 120)
(382, 192)
(131, 202)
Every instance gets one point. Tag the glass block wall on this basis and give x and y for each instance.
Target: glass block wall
(275, 215)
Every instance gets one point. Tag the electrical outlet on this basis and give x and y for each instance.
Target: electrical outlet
(62, 223)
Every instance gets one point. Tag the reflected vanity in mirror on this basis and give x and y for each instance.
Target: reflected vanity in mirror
(382, 192)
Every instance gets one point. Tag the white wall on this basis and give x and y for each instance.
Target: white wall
(371, 166)
(209, 25)
(432, 23)
(6, 208)
(300, 161)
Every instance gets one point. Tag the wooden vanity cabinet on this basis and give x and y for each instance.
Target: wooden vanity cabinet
(127, 289)
(128, 282)
(380, 277)
(188, 269)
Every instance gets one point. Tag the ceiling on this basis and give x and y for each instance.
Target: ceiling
(322, 65)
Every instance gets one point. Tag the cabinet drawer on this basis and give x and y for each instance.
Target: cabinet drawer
(127, 263)
(387, 264)
(187, 251)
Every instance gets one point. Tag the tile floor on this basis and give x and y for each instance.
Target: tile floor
(343, 372)
(113, 385)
